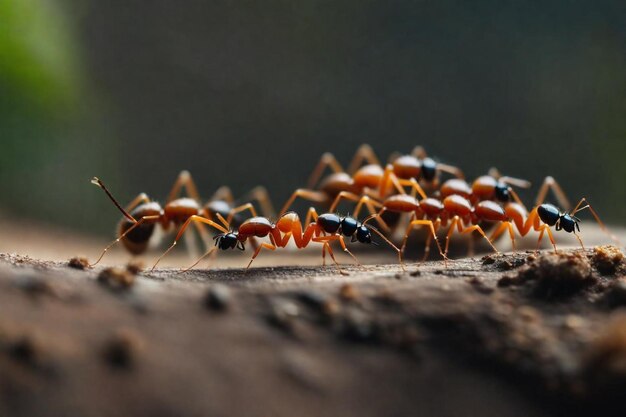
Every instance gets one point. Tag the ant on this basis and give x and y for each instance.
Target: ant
(324, 228)
(142, 214)
(434, 213)
(542, 217)
(498, 188)
(370, 180)
(424, 169)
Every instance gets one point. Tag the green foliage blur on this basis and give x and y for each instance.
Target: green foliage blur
(43, 93)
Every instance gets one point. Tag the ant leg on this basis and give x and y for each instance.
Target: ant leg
(516, 182)
(258, 250)
(482, 232)
(343, 195)
(184, 180)
(130, 229)
(394, 247)
(393, 156)
(550, 183)
(210, 252)
(504, 226)
(332, 256)
(140, 199)
(364, 153)
(419, 152)
(451, 169)
(579, 241)
(546, 228)
(310, 214)
(224, 193)
(261, 195)
(596, 217)
(327, 160)
(307, 194)
(433, 234)
(369, 202)
(332, 238)
(415, 187)
(182, 231)
(239, 209)
(453, 224)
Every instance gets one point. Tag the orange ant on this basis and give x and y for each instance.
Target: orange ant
(370, 180)
(419, 166)
(324, 228)
(142, 215)
(435, 213)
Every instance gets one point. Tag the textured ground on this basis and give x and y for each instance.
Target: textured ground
(497, 336)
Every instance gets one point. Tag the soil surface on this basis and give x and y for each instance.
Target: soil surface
(503, 335)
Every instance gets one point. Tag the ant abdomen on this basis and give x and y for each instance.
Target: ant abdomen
(136, 241)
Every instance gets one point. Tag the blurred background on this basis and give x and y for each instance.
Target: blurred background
(253, 92)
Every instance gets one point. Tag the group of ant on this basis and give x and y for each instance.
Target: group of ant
(409, 184)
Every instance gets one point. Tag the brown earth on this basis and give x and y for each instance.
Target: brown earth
(504, 335)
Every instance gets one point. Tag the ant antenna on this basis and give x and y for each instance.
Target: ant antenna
(595, 215)
(99, 183)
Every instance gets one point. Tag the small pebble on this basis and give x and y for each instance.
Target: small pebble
(348, 292)
(218, 297)
(122, 349)
(135, 266)
(78, 262)
(116, 278)
(488, 260)
(282, 313)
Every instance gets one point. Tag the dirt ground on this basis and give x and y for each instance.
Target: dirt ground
(502, 335)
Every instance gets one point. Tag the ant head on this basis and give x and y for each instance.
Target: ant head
(502, 192)
(363, 234)
(568, 223)
(329, 222)
(228, 240)
(349, 225)
(429, 169)
(548, 214)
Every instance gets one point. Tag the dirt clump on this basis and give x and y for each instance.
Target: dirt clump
(122, 349)
(553, 275)
(607, 259)
(135, 266)
(218, 298)
(604, 361)
(117, 279)
(78, 262)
